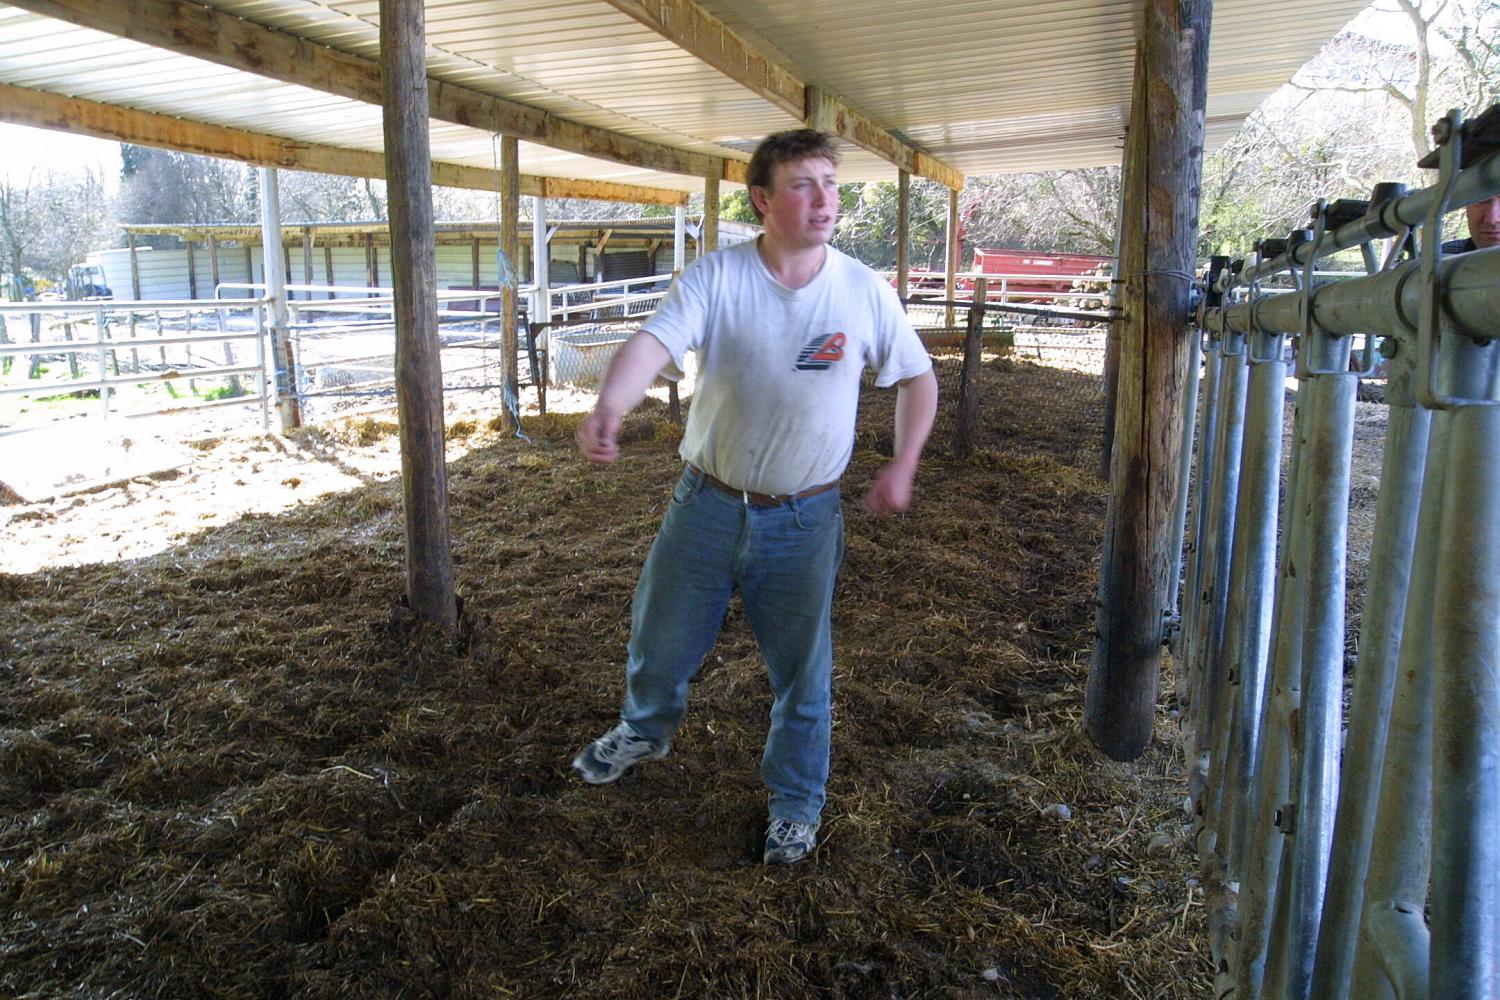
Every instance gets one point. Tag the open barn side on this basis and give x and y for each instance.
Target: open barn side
(230, 768)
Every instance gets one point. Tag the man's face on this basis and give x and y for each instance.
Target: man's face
(802, 203)
(1484, 222)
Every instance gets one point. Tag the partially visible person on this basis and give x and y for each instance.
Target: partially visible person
(1484, 227)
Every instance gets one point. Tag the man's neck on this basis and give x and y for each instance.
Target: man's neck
(792, 267)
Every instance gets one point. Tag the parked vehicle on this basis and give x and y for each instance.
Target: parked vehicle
(86, 281)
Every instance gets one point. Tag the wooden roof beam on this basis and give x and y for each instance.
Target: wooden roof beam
(705, 36)
(206, 33)
(41, 109)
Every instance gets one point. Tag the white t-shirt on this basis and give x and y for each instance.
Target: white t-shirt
(779, 369)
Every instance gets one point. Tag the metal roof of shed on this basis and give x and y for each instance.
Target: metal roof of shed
(981, 86)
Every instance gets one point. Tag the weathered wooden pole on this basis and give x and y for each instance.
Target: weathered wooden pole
(135, 267)
(903, 233)
(307, 258)
(968, 383)
(679, 241)
(192, 266)
(510, 262)
(951, 256)
(283, 359)
(1162, 170)
(419, 375)
(708, 236)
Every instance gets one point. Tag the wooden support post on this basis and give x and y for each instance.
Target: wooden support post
(419, 373)
(950, 284)
(968, 383)
(474, 261)
(1112, 342)
(284, 361)
(1162, 173)
(708, 239)
(510, 250)
(903, 234)
(372, 266)
(135, 268)
(235, 387)
(328, 269)
(192, 266)
(541, 260)
(250, 264)
(679, 239)
(307, 251)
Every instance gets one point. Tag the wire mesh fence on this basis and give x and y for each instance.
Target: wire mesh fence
(1064, 361)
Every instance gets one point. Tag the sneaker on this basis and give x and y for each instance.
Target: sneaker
(789, 840)
(616, 752)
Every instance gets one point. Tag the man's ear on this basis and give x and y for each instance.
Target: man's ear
(760, 198)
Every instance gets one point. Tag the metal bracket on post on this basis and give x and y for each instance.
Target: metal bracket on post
(1323, 214)
(1227, 336)
(1448, 133)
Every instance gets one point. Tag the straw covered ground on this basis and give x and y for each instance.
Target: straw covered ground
(234, 768)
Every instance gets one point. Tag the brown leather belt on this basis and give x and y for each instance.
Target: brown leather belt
(761, 499)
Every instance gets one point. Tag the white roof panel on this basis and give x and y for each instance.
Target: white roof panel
(985, 86)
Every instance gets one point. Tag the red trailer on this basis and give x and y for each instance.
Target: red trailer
(1028, 273)
(1040, 273)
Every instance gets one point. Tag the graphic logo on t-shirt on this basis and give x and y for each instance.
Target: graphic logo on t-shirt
(821, 352)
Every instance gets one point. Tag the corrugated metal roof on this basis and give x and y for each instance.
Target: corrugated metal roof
(986, 86)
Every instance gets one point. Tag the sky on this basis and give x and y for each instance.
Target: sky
(23, 150)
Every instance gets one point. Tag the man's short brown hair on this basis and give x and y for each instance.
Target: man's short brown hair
(786, 147)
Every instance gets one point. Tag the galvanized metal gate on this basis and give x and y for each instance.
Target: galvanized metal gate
(1360, 863)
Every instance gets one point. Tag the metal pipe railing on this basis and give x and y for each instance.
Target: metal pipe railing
(1321, 853)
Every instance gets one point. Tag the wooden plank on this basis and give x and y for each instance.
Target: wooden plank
(419, 374)
(205, 33)
(41, 109)
(1163, 161)
(693, 29)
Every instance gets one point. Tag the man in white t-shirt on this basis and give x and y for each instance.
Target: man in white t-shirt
(783, 328)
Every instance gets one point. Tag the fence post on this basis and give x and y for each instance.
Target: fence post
(1163, 158)
(419, 374)
(1331, 388)
(1247, 628)
(1466, 692)
(968, 386)
(1371, 717)
(283, 359)
(1273, 763)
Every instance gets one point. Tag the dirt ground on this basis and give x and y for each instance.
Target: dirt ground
(230, 766)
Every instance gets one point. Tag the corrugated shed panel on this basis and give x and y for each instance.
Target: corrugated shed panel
(985, 85)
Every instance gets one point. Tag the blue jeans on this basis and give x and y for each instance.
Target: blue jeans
(783, 560)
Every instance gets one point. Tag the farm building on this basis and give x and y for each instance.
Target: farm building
(359, 255)
(320, 746)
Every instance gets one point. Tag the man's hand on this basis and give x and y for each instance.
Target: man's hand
(916, 405)
(598, 436)
(890, 493)
(634, 367)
